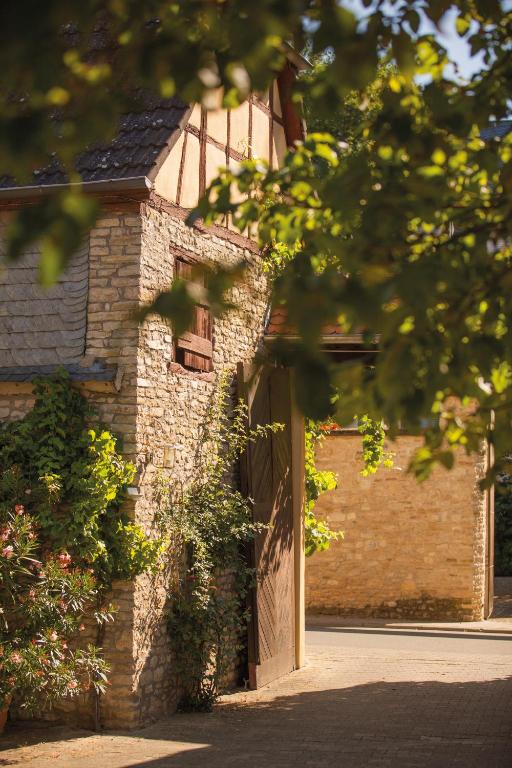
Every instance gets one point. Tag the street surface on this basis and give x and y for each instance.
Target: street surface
(369, 698)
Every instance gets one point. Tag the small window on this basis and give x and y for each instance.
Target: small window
(194, 348)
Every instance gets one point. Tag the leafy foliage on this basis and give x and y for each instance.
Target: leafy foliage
(75, 480)
(413, 229)
(213, 523)
(317, 534)
(374, 454)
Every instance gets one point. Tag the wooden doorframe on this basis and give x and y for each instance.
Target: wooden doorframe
(489, 537)
(298, 500)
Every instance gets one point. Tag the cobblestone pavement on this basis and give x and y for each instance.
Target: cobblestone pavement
(370, 700)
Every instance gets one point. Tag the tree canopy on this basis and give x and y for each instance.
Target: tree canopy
(403, 235)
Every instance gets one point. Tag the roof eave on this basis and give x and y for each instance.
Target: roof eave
(298, 61)
(104, 185)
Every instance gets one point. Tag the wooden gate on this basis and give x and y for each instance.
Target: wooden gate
(269, 480)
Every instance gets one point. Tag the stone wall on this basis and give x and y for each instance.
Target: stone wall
(112, 338)
(158, 409)
(172, 407)
(410, 550)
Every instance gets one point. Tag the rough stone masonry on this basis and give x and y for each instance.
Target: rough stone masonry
(155, 405)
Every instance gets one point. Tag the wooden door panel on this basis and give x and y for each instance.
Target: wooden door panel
(266, 476)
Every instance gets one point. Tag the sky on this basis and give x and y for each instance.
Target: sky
(457, 47)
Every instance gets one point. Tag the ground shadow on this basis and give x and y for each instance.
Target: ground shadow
(387, 724)
(412, 633)
(502, 608)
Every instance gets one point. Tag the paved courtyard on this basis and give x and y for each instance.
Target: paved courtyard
(367, 698)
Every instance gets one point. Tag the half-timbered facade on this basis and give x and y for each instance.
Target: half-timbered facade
(151, 388)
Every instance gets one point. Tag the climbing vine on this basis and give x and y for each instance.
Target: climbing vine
(318, 535)
(374, 453)
(212, 522)
(75, 480)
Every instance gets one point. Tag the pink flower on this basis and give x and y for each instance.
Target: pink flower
(19, 509)
(81, 627)
(5, 533)
(53, 636)
(72, 684)
(64, 559)
(64, 645)
(32, 594)
(8, 551)
(16, 657)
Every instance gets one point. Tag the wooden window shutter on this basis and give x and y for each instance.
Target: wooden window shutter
(194, 348)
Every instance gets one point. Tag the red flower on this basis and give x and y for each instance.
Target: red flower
(64, 559)
(19, 509)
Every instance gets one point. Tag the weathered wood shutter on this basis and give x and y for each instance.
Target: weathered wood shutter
(267, 479)
(194, 348)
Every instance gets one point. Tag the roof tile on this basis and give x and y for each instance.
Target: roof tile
(142, 136)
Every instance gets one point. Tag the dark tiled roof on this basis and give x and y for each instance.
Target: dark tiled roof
(496, 130)
(142, 138)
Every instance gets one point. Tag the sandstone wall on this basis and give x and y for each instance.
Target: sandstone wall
(410, 550)
(172, 405)
(158, 408)
(112, 338)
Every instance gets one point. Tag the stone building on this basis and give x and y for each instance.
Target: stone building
(152, 388)
(410, 550)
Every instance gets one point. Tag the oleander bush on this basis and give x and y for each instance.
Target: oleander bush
(63, 539)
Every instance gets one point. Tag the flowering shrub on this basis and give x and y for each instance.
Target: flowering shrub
(43, 599)
(63, 539)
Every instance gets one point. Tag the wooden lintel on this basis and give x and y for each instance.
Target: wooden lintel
(196, 344)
